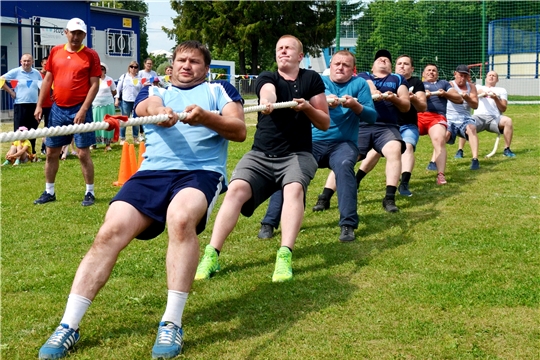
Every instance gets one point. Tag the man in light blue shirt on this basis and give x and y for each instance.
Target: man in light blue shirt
(25, 93)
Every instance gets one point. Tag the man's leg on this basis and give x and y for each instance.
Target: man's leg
(371, 159)
(392, 152)
(437, 133)
(461, 145)
(407, 165)
(506, 127)
(330, 187)
(292, 213)
(272, 216)
(473, 140)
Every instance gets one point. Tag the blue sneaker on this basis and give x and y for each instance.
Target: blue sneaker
(459, 154)
(169, 341)
(45, 198)
(61, 341)
(89, 199)
(432, 166)
(475, 165)
(404, 190)
(507, 152)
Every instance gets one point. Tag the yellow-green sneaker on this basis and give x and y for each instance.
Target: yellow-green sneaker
(283, 271)
(209, 264)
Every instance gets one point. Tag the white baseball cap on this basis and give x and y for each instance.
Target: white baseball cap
(76, 24)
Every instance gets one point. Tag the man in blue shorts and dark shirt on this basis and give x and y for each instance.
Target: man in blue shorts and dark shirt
(280, 158)
(336, 148)
(182, 174)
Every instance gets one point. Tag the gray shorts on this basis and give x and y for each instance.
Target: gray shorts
(266, 174)
(487, 122)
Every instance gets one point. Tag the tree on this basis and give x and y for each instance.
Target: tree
(249, 30)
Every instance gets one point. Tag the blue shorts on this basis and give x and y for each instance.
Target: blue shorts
(64, 116)
(410, 134)
(151, 192)
(376, 136)
(459, 128)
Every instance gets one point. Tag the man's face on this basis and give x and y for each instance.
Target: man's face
(341, 68)
(492, 78)
(148, 65)
(288, 53)
(431, 73)
(43, 64)
(189, 69)
(404, 67)
(460, 78)
(75, 38)
(382, 64)
(26, 62)
(168, 71)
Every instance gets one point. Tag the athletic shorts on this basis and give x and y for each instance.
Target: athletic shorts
(487, 122)
(409, 134)
(376, 136)
(458, 127)
(428, 119)
(151, 192)
(267, 174)
(64, 116)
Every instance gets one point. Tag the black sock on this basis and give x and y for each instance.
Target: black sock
(359, 176)
(327, 193)
(288, 248)
(405, 177)
(217, 251)
(390, 192)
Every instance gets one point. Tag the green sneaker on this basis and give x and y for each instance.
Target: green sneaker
(283, 271)
(209, 264)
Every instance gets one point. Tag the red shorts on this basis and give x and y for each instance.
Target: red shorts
(427, 119)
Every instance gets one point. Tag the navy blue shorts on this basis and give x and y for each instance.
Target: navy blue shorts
(151, 192)
(64, 116)
(376, 136)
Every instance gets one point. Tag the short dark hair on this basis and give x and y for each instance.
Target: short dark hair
(194, 45)
(431, 64)
(44, 58)
(407, 56)
(345, 52)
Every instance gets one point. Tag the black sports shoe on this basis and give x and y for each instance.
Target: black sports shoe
(475, 165)
(347, 233)
(404, 190)
(45, 198)
(89, 199)
(390, 205)
(322, 204)
(266, 232)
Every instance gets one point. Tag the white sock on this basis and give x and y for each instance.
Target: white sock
(75, 309)
(176, 300)
(49, 188)
(90, 189)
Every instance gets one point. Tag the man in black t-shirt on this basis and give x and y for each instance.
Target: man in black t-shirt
(279, 159)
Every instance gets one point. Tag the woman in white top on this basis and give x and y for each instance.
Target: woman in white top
(129, 86)
(103, 104)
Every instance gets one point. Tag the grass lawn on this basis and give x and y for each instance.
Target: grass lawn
(453, 275)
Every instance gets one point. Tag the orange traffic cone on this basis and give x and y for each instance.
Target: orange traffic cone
(142, 150)
(125, 171)
(132, 159)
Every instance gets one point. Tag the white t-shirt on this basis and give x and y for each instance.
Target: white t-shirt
(104, 95)
(148, 75)
(486, 105)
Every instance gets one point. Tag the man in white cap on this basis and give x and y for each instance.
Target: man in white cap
(75, 70)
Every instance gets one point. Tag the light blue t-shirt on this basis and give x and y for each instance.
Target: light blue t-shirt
(182, 146)
(343, 121)
(26, 91)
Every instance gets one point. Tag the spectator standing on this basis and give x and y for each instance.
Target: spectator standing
(129, 85)
(47, 104)
(152, 78)
(75, 70)
(103, 104)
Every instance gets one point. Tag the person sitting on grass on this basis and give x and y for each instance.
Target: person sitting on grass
(20, 151)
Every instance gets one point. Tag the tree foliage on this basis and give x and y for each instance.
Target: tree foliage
(246, 31)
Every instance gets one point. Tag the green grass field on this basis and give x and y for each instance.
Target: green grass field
(454, 275)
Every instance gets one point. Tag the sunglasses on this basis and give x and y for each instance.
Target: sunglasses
(133, 66)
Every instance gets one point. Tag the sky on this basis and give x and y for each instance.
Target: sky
(159, 14)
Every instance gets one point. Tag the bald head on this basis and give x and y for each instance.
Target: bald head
(492, 78)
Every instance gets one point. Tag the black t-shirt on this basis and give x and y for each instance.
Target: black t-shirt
(411, 116)
(286, 131)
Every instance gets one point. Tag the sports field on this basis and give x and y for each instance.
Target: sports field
(454, 275)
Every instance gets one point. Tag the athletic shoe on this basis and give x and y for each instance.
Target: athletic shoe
(45, 198)
(459, 154)
(283, 270)
(61, 341)
(347, 233)
(475, 165)
(507, 152)
(209, 264)
(122, 142)
(389, 205)
(322, 203)
(266, 232)
(5, 163)
(441, 179)
(43, 152)
(432, 166)
(89, 199)
(404, 190)
(169, 341)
